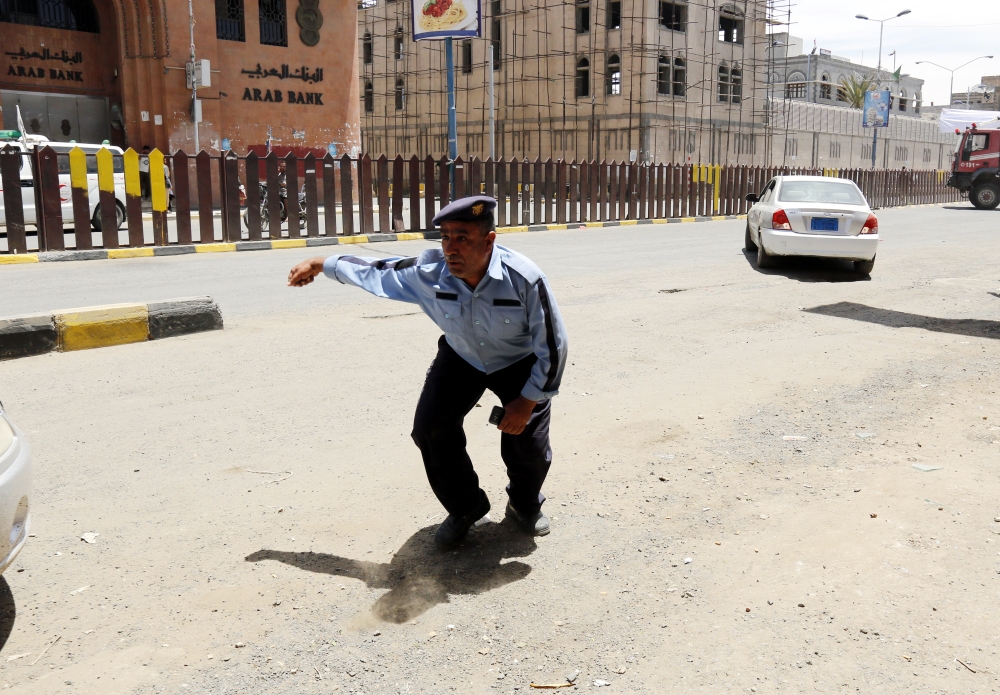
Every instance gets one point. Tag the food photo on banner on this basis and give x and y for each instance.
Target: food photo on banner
(876, 111)
(441, 19)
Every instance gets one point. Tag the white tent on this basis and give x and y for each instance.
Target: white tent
(963, 118)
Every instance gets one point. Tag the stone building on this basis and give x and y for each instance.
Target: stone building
(606, 79)
(90, 70)
(986, 96)
(814, 77)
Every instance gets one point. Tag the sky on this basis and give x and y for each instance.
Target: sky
(947, 33)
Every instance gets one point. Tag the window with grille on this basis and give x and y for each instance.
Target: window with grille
(735, 84)
(467, 57)
(663, 75)
(825, 90)
(583, 78)
(795, 86)
(613, 79)
(273, 23)
(730, 25)
(902, 100)
(582, 16)
(615, 14)
(400, 95)
(680, 77)
(724, 83)
(369, 98)
(366, 49)
(397, 44)
(673, 16)
(229, 20)
(73, 15)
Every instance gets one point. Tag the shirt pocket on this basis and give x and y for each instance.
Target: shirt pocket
(508, 321)
(447, 314)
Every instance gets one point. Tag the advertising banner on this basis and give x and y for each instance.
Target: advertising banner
(440, 19)
(876, 110)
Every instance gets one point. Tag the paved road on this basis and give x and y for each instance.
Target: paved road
(257, 486)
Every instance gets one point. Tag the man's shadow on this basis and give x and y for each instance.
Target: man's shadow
(419, 576)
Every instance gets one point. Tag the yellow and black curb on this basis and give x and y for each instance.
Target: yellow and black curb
(103, 326)
(180, 250)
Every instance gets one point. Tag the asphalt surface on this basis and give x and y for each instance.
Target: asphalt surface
(734, 501)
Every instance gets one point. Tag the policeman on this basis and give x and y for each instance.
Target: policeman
(502, 331)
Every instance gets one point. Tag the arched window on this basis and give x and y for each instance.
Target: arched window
(613, 78)
(229, 20)
(841, 92)
(74, 15)
(663, 75)
(400, 95)
(795, 86)
(825, 88)
(583, 77)
(680, 77)
(730, 24)
(397, 44)
(736, 84)
(273, 22)
(369, 98)
(366, 48)
(916, 104)
(902, 100)
(724, 82)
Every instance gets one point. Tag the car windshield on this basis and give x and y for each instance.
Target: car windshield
(820, 192)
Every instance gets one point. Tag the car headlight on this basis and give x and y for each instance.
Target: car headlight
(6, 436)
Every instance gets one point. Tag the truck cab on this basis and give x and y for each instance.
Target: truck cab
(975, 169)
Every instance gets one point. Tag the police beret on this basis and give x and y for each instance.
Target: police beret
(471, 209)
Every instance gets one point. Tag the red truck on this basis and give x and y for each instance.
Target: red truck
(976, 167)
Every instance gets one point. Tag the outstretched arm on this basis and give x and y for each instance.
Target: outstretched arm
(384, 277)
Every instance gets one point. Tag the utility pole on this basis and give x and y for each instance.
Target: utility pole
(194, 82)
(449, 56)
(489, 68)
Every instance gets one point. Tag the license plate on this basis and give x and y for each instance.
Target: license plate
(823, 224)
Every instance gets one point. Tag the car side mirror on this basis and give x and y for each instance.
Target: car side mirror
(752, 198)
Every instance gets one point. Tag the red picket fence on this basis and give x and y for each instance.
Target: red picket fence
(348, 196)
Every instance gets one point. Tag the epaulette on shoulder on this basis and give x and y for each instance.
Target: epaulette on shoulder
(524, 266)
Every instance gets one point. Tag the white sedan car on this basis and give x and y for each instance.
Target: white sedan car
(15, 490)
(812, 216)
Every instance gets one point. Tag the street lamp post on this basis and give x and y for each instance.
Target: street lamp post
(951, 86)
(878, 72)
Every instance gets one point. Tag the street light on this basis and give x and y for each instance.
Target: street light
(951, 88)
(881, 26)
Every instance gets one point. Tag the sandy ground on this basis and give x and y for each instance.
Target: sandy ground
(734, 501)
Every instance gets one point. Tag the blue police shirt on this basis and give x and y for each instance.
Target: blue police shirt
(510, 315)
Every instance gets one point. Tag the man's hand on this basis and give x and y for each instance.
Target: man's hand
(517, 414)
(304, 273)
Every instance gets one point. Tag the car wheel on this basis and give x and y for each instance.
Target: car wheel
(864, 267)
(119, 214)
(764, 259)
(985, 196)
(748, 240)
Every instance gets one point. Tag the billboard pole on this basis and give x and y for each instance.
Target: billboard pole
(449, 55)
(489, 69)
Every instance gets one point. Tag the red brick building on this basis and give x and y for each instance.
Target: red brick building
(90, 70)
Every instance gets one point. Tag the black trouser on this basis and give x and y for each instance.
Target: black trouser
(451, 390)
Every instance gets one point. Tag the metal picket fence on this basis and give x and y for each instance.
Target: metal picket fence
(294, 197)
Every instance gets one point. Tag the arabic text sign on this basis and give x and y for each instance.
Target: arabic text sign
(441, 19)
(46, 54)
(283, 73)
(876, 110)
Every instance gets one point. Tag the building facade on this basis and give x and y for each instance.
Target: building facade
(815, 77)
(598, 79)
(94, 70)
(984, 96)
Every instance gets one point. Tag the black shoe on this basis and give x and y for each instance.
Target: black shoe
(536, 524)
(453, 530)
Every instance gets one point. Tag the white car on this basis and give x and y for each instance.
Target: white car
(65, 194)
(812, 216)
(15, 490)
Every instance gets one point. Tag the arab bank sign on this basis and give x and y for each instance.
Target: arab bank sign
(442, 19)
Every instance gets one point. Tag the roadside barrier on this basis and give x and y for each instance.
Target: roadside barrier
(103, 326)
(287, 197)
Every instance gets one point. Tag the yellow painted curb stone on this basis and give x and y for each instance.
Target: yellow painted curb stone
(91, 327)
(287, 243)
(689, 219)
(627, 223)
(352, 239)
(408, 236)
(130, 253)
(19, 258)
(215, 248)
